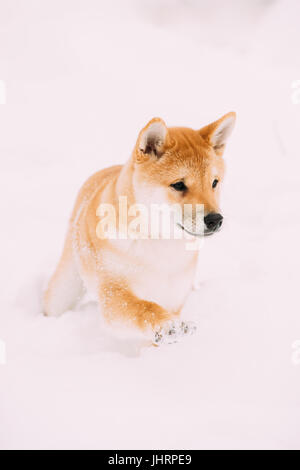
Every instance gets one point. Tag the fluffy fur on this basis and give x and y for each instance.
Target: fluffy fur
(141, 282)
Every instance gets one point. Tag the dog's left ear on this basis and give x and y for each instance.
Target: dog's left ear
(152, 138)
(217, 133)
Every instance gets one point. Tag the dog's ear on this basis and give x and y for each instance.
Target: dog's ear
(152, 138)
(217, 133)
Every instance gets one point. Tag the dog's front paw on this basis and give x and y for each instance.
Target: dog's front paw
(173, 331)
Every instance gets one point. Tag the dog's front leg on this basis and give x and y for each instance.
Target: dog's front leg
(120, 304)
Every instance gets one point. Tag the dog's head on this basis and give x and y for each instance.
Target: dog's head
(181, 166)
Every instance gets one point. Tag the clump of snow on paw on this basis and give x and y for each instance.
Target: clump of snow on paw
(173, 331)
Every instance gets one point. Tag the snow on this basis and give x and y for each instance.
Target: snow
(82, 78)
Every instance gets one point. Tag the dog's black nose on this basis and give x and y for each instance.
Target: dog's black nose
(213, 221)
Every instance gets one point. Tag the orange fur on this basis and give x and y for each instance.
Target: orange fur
(119, 270)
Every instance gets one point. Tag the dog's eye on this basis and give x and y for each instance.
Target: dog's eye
(180, 186)
(215, 182)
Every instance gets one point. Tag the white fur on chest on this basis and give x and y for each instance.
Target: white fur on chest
(160, 271)
(169, 290)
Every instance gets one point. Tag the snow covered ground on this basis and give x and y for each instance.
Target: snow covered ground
(82, 77)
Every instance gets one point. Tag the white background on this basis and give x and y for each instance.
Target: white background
(82, 77)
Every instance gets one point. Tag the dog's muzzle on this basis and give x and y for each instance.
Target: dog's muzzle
(213, 222)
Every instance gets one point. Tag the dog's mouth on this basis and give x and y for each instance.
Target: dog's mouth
(206, 232)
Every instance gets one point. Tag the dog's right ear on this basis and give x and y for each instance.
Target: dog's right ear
(216, 134)
(152, 139)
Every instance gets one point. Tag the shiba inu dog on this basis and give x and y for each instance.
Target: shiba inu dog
(140, 280)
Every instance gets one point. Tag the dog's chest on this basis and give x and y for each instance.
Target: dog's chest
(167, 289)
(159, 271)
